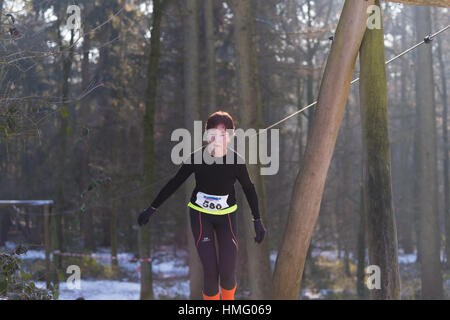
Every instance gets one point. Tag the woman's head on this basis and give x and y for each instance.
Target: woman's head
(220, 117)
(218, 127)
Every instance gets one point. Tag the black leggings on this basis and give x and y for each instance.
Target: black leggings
(203, 226)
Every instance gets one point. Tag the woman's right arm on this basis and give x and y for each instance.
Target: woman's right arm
(183, 173)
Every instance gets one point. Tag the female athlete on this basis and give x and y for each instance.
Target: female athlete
(213, 205)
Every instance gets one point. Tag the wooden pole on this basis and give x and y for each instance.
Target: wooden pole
(309, 185)
(47, 246)
(378, 199)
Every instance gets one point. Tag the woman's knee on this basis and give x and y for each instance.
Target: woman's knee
(227, 279)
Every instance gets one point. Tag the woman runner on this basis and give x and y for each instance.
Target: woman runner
(213, 205)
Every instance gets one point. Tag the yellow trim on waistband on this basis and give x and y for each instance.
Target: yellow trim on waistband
(218, 212)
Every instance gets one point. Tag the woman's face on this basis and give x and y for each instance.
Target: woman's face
(218, 136)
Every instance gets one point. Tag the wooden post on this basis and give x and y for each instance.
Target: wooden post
(309, 185)
(47, 246)
(378, 199)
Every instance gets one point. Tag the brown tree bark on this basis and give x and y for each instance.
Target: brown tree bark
(210, 55)
(445, 151)
(66, 61)
(192, 113)
(308, 189)
(379, 206)
(251, 117)
(427, 193)
(149, 153)
(87, 225)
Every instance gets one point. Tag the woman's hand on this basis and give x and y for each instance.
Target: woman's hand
(259, 230)
(145, 215)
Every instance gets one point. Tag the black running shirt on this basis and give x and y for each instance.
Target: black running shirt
(214, 190)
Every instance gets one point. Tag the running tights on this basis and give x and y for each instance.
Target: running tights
(219, 270)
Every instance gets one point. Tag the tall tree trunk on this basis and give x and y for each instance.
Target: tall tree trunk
(406, 211)
(361, 245)
(210, 55)
(429, 232)
(87, 219)
(192, 113)
(382, 232)
(310, 76)
(346, 216)
(67, 59)
(308, 189)
(445, 151)
(406, 220)
(149, 137)
(251, 117)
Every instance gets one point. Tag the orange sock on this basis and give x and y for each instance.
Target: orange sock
(215, 297)
(228, 294)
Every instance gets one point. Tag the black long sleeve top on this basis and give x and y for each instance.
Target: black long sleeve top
(214, 190)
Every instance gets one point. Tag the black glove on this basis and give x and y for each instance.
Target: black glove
(259, 230)
(145, 215)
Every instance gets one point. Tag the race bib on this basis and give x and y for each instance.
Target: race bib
(211, 202)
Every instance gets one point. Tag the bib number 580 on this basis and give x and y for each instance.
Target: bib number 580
(207, 204)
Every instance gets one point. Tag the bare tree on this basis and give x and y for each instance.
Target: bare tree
(308, 190)
(251, 117)
(382, 232)
(426, 152)
(149, 153)
(192, 113)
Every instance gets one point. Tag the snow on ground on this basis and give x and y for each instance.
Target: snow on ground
(406, 258)
(169, 269)
(318, 294)
(118, 290)
(333, 256)
(170, 274)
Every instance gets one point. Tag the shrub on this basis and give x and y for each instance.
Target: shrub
(15, 283)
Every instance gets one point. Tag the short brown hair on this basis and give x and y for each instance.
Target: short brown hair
(220, 117)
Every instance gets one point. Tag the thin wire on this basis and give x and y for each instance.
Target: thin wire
(139, 190)
(430, 37)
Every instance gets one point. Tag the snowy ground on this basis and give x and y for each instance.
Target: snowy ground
(169, 268)
(119, 290)
(170, 273)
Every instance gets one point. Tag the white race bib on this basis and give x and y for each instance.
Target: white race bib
(211, 202)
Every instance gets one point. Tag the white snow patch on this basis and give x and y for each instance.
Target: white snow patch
(118, 290)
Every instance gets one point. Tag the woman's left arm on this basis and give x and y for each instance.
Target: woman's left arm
(249, 190)
(252, 198)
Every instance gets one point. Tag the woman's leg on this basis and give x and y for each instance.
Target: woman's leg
(226, 232)
(203, 233)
